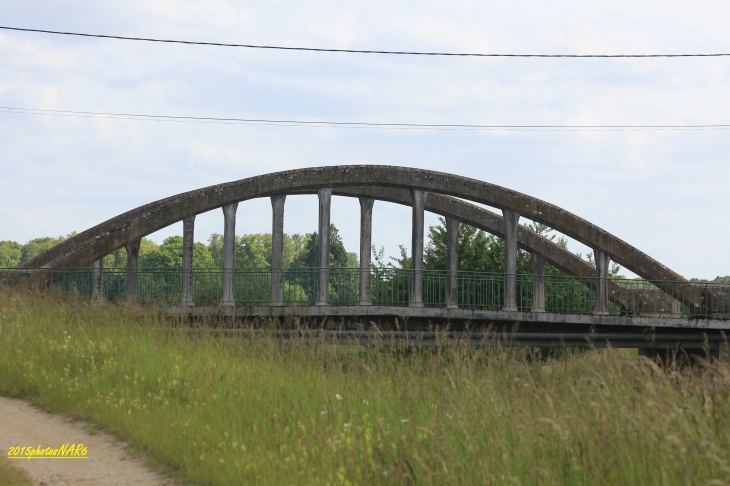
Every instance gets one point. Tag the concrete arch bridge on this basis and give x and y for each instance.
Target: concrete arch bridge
(662, 311)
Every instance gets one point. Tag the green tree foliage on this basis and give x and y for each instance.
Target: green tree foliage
(170, 255)
(11, 253)
(478, 251)
(308, 257)
(253, 252)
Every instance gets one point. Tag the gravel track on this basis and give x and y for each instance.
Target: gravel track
(108, 461)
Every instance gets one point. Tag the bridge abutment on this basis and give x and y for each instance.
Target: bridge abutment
(417, 229)
(510, 260)
(277, 249)
(366, 238)
(229, 242)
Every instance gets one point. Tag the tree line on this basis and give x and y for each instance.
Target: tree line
(478, 251)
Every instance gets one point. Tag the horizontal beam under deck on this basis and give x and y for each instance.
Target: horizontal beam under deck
(440, 315)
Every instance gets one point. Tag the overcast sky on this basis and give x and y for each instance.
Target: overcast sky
(665, 192)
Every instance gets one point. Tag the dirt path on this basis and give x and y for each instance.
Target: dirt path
(21, 424)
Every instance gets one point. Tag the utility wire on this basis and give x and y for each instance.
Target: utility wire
(340, 124)
(355, 51)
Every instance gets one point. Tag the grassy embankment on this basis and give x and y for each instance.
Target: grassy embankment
(240, 412)
(12, 476)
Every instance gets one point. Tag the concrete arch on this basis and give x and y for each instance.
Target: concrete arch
(115, 233)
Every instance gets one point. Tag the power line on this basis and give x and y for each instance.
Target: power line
(357, 51)
(341, 124)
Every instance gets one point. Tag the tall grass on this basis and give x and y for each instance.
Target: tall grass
(260, 411)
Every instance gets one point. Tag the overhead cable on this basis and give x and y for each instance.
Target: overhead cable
(357, 51)
(344, 124)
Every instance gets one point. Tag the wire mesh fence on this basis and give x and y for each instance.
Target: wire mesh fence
(388, 287)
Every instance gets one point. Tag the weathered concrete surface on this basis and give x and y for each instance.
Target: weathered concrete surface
(325, 202)
(366, 242)
(511, 221)
(277, 249)
(602, 261)
(106, 237)
(98, 289)
(116, 232)
(374, 312)
(538, 283)
(188, 246)
(229, 253)
(452, 262)
(113, 234)
(417, 232)
(132, 267)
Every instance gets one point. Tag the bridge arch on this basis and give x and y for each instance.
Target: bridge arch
(115, 233)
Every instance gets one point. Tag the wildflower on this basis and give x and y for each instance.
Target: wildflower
(347, 425)
(338, 396)
(385, 473)
(448, 415)
(324, 412)
(365, 402)
(336, 442)
(404, 421)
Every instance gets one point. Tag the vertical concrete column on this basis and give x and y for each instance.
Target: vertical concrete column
(602, 261)
(97, 292)
(323, 287)
(419, 201)
(538, 283)
(510, 260)
(277, 249)
(229, 241)
(187, 275)
(452, 262)
(133, 270)
(366, 243)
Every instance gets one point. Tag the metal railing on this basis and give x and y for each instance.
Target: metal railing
(388, 287)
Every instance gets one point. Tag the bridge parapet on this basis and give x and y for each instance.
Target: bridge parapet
(388, 287)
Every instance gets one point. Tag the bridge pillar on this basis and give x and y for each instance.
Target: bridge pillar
(602, 261)
(187, 276)
(510, 260)
(229, 242)
(452, 262)
(97, 291)
(538, 283)
(323, 287)
(133, 270)
(366, 234)
(277, 249)
(417, 228)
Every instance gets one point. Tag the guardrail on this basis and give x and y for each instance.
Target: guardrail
(388, 287)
